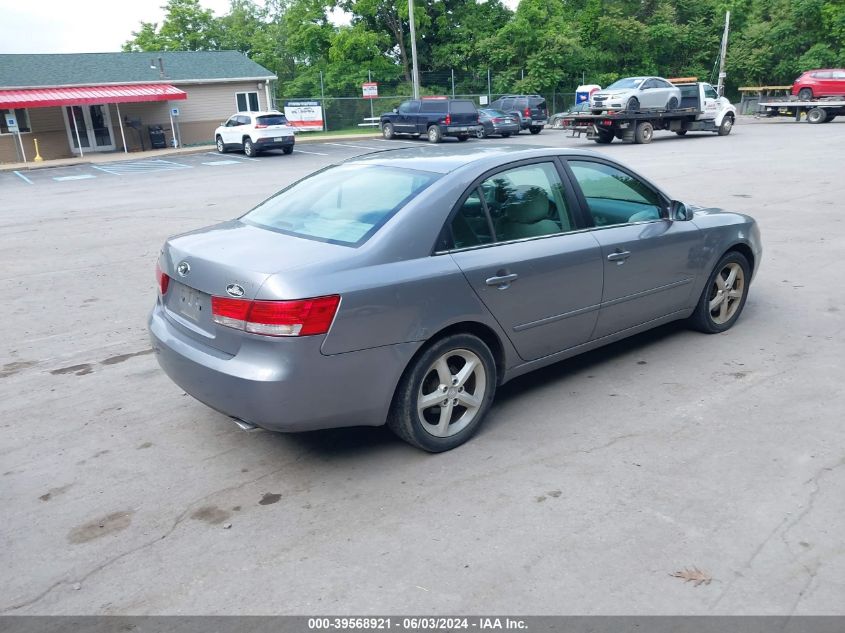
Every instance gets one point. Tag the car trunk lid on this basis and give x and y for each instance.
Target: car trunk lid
(231, 260)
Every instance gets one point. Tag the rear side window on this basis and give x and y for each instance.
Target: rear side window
(434, 106)
(613, 196)
(342, 205)
(271, 119)
(409, 107)
(470, 226)
(462, 107)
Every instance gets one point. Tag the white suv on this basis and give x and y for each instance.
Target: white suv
(254, 132)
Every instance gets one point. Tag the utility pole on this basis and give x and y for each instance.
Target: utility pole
(414, 67)
(720, 88)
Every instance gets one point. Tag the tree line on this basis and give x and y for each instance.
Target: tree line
(543, 45)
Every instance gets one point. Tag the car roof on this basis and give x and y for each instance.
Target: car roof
(443, 159)
(257, 113)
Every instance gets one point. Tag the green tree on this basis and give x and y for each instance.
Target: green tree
(186, 27)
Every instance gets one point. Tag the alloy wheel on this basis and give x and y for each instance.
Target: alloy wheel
(726, 293)
(451, 393)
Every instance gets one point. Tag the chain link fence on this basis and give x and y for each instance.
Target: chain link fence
(348, 111)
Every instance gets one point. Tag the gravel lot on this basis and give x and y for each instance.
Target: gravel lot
(591, 482)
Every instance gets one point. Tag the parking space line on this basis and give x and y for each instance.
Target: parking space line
(170, 162)
(223, 162)
(302, 151)
(79, 177)
(352, 146)
(244, 158)
(106, 170)
(20, 175)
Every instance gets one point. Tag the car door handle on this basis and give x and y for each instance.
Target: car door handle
(619, 256)
(502, 281)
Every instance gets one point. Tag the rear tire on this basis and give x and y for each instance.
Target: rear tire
(535, 129)
(481, 133)
(463, 137)
(681, 132)
(249, 148)
(673, 104)
(387, 131)
(505, 134)
(438, 370)
(726, 126)
(434, 134)
(644, 133)
(726, 297)
(288, 150)
(805, 94)
(816, 115)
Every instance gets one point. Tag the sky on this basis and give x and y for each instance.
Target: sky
(83, 26)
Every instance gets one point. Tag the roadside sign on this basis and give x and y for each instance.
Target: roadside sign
(304, 115)
(370, 89)
(11, 123)
(482, 100)
(174, 111)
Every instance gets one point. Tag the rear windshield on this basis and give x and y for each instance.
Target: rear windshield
(342, 205)
(495, 113)
(463, 107)
(271, 119)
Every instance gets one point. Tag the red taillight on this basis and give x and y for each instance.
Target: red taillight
(527, 112)
(258, 126)
(302, 317)
(448, 119)
(163, 280)
(498, 120)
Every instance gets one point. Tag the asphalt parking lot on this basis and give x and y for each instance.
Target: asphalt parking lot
(590, 484)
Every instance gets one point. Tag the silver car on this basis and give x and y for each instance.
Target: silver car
(406, 286)
(637, 93)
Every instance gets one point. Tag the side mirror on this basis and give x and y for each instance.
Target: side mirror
(395, 110)
(679, 211)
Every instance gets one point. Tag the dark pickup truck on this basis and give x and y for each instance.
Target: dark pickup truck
(434, 117)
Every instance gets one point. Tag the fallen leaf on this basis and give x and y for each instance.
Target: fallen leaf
(694, 575)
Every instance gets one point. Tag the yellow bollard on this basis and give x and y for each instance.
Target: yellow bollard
(37, 158)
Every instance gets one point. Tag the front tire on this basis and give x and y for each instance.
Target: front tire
(723, 298)
(633, 105)
(221, 146)
(726, 126)
(387, 131)
(434, 134)
(444, 394)
(249, 148)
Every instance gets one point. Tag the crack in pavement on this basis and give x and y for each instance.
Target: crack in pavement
(179, 519)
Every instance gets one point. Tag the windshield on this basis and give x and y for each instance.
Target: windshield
(630, 82)
(342, 205)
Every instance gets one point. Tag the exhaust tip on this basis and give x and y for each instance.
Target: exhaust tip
(243, 425)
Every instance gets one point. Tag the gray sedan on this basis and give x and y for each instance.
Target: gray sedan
(406, 286)
(637, 93)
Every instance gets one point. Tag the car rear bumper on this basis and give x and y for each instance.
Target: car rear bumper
(455, 130)
(282, 384)
(511, 128)
(272, 143)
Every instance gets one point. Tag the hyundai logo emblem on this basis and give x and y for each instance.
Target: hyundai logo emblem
(183, 268)
(235, 290)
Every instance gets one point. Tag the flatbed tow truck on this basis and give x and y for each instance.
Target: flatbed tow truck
(817, 110)
(701, 110)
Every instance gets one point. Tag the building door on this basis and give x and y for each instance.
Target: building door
(94, 125)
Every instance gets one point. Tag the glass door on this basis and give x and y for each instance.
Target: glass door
(94, 126)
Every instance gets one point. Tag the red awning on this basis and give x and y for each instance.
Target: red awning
(88, 95)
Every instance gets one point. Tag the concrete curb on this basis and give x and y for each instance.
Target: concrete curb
(113, 157)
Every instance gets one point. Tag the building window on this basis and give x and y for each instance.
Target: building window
(247, 101)
(22, 117)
